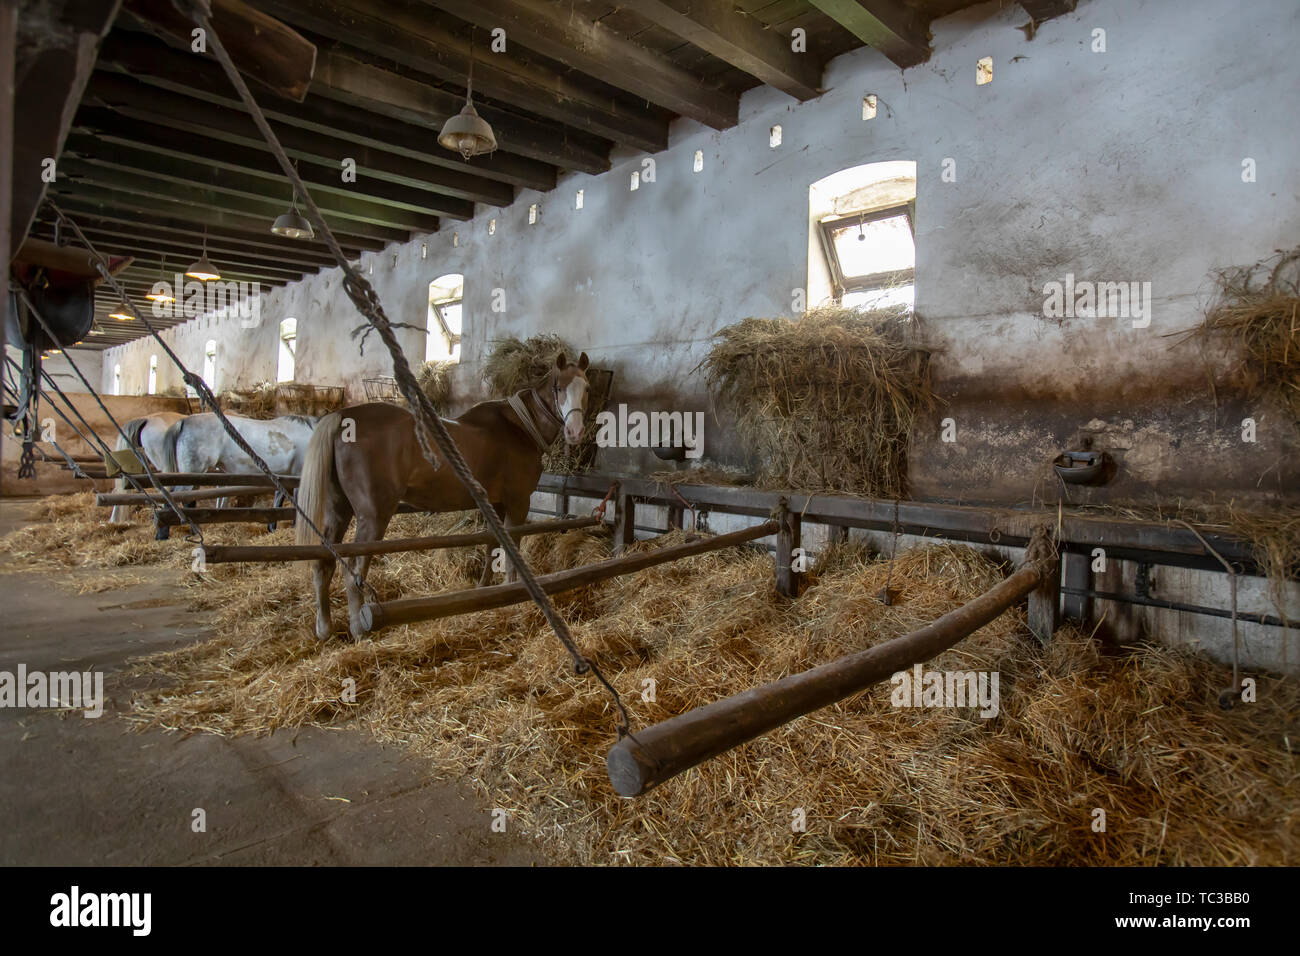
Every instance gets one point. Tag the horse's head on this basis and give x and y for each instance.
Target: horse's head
(569, 391)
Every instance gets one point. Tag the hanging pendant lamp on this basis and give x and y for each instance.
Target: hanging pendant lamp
(468, 133)
(203, 269)
(293, 224)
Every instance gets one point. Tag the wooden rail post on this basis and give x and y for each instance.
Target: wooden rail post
(787, 541)
(624, 521)
(1077, 571)
(1045, 603)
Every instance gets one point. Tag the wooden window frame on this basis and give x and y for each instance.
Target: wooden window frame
(840, 284)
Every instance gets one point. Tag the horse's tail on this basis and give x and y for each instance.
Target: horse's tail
(171, 438)
(317, 476)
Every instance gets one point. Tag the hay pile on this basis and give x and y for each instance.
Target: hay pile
(492, 700)
(256, 401)
(434, 379)
(826, 400)
(1255, 318)
(513, 363)
(70, 532)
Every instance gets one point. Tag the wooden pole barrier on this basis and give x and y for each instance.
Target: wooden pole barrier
(647, 758)
(113, 498)
(389, 613)
(205, 478)
(169, 519)
(226, 554)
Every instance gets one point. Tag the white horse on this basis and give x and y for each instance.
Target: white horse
(199, 443)
(146, 434)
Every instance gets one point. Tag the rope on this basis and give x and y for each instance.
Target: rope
(73, 466)
(196, 534)
(429, 429)
(206, 399)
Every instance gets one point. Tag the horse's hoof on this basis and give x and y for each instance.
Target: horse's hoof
(162, 534)
(323, 630)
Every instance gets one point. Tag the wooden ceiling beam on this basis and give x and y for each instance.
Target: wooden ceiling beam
(56, 45)
(406, 35)
(722, 30)
(350, 218)
(170, 258)
(381, 203)
(556, 31)
(215, 150)
(122, 240)
(364, 85)
(112, 202)
(102, 218)
(341, 130)
(889, 26)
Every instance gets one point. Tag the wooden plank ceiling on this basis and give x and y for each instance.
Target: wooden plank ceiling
(160, 148)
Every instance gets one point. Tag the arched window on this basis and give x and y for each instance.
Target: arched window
(153, 375)
(442, 342)
(210, 364)
(862, 249)
(288, 350)
(117, 379)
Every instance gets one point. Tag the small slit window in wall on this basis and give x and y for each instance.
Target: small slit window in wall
(117, 379)
(153, 375)
(210, 364)
(872, 258)
(284, 368)
(446, 298)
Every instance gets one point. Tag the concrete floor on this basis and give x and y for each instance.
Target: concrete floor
(77, 791)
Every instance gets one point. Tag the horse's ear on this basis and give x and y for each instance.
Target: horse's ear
(583, 361)
(561, 361)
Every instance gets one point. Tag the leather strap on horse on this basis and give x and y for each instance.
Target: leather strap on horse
(429, 428)
(526, 419)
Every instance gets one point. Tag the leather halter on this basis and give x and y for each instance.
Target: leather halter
(526, 418)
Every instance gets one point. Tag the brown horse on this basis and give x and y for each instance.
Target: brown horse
(365, 460)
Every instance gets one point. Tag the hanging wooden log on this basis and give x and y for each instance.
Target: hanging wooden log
(389, 613)
(647, 758)
(226, 554)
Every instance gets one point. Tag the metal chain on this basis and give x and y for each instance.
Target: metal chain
(429, 429)
(73, 465)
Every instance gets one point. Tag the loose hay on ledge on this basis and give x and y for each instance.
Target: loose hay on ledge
(826, 400)
(492, 699)
(1256, 317)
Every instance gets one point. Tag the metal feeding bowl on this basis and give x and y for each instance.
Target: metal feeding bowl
(669, 452)
(1079, 467)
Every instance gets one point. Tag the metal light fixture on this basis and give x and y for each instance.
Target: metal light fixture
(122, 316)
(468, 133)
(203, 270)
(293, 224)
(162, 282)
